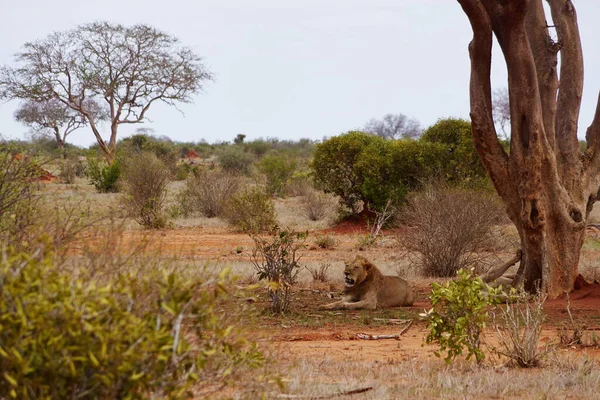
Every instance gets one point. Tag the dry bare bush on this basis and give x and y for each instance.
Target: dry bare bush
(519, 328)
(571, 333)
(316, 204)
(207, 191)
(450, 228)
(319, 274)
(145, 179)
(326, 242)
(18, 199)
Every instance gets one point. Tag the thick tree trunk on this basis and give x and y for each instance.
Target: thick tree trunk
(549, 187)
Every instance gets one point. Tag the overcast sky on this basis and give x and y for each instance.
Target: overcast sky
(296, 69)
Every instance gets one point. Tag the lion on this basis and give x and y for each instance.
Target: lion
(367, 288)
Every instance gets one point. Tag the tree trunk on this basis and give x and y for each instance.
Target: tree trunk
(549, 186)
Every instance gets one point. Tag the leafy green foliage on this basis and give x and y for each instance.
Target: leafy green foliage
(358, 166)
(459, 315)
(235, 160)
(251, 211)
(65, 337)
(278, 171)
(334, 165)
(275, 260)
(145, 180)
(161, 147)
(463, 162)
(104, 177)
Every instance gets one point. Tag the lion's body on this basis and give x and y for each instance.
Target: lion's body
(368, 288)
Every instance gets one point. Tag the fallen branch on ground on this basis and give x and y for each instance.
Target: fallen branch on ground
(326, 396)
(365, 336)
(497, 272)
(392, 321)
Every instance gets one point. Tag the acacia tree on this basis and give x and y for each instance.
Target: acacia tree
(394, 126)
(55, 117)
(127, 69)
(548, 185)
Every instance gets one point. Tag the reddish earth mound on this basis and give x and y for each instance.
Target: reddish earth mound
(192, 154)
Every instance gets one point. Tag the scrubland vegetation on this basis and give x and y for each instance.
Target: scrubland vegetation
(94, 306)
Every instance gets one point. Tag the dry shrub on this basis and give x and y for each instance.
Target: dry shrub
(275, 260)
(319, 274)
(105, 254)
(251, 211)
(571, 333)
(316, 204)
(70, 169)
(207, 191)
(448, 228)
(519, 328)
(145, 179)
(326, 242)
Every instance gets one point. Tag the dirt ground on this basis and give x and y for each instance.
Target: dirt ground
(321, 350)
(218, 245)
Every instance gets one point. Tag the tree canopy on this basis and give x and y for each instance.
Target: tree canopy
(124, 69)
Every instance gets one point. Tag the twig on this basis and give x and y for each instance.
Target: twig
(393, 321)
(379, 337)
(326, 396)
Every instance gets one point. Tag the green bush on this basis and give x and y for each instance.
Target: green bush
(233, 159)
(360, 167)
(164, 149)
(251, 211)
(462, 161)
(63, 337)
(278, 171)
(105, 178)
(145, 180)
(334, 166)
(458, 315)
(69, 169)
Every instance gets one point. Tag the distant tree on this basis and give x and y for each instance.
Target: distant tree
(394, 126)
(55, 118)
(501, 110)
(126, 68)
(239, 139)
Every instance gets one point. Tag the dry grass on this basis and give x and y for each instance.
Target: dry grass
(566, 377)
(414, 376)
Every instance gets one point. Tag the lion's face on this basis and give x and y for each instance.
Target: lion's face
(355, 271)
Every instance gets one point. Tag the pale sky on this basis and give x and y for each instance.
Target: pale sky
(296, 69)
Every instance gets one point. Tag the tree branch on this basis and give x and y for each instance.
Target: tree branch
(571, 87)
(485, 137)
(544, 52)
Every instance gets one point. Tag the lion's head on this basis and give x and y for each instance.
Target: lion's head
(356, 271)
